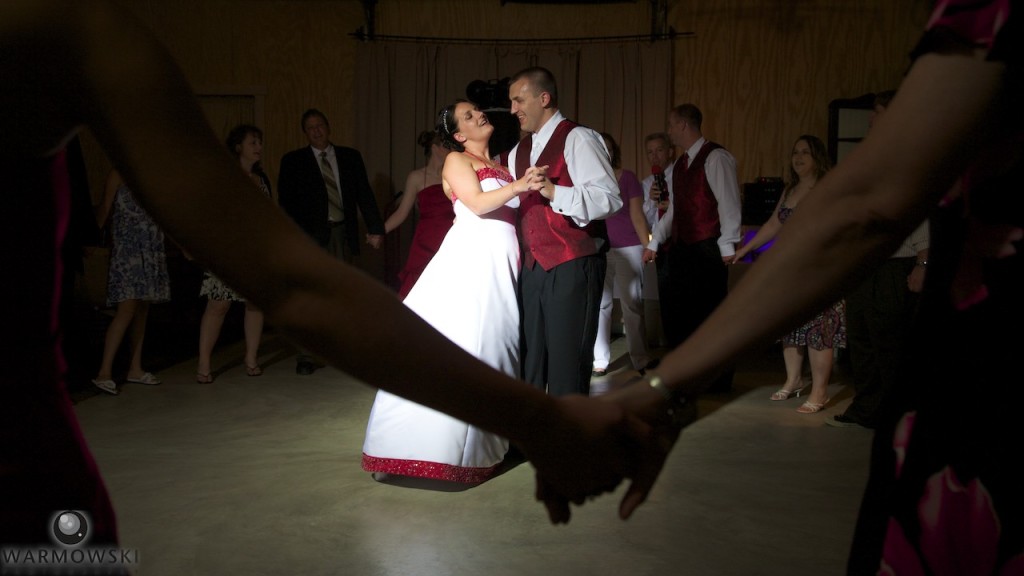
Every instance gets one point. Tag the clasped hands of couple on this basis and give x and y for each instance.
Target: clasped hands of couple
(598, 442)
(536, 180)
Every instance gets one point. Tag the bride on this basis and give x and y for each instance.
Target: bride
(468, 293)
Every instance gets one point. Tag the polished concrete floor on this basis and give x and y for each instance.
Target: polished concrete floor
(261, 476)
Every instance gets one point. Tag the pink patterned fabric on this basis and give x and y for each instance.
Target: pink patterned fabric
(960, 533)
(947, 498)
(974, 20)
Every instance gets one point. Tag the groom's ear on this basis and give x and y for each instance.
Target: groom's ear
(545, 99)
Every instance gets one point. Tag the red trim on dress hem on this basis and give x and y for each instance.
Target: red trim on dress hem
(424, 469)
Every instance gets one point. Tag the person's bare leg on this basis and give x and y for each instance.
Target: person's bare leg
(115, 334)
(793, 356)
(253, 326)
(821, 374)
(138, 336)
(209, 330)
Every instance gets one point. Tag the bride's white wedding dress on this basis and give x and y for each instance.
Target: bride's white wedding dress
(468, 292)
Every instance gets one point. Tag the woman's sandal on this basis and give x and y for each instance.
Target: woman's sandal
(204, 378)
(253, 370)
(812, 407)
(783, 394)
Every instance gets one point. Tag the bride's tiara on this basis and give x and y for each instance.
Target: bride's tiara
(444, 121)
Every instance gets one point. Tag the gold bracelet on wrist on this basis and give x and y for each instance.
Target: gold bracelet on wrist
(658, 384)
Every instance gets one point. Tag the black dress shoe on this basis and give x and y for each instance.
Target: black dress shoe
(844, 421)
(304, 368)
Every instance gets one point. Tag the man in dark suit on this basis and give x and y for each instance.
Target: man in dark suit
(323, 187)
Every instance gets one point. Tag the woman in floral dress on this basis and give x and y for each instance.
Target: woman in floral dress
(137, 277)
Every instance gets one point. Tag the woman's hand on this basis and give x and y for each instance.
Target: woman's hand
(740, 254)
(586, 449)
(644, 402)
(644, 463)
(534, 179)
(538, 180)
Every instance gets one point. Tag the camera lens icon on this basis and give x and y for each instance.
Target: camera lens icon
(70, 527)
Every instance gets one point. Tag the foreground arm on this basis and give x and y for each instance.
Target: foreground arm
(79, 63)
(858, 215)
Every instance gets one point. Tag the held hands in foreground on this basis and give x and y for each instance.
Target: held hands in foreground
(640, 401)
(587, 449)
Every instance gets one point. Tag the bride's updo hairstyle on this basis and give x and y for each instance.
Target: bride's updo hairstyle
(448, 127)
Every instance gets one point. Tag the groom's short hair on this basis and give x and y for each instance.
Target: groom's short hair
(541, 79)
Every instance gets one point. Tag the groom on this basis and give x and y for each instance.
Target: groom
(563, 236)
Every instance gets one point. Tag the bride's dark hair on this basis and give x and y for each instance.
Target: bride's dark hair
(448, 127)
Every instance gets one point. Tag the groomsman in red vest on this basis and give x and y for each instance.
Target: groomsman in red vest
(563, 236)
(699, 232)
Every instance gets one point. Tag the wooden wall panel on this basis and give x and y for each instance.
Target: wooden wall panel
(763, 71)
(298, 51)
(489, 19)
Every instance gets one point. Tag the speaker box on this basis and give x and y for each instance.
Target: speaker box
(760, 198)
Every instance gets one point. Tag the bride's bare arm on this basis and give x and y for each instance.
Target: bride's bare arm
(460, 179)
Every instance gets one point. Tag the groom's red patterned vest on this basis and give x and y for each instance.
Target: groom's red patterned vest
(548, 237)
